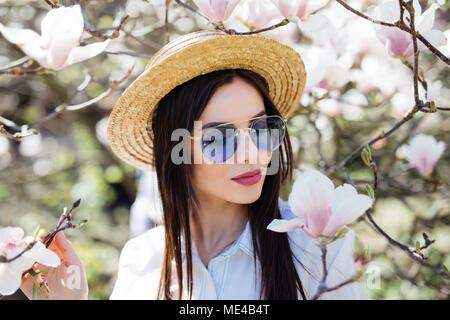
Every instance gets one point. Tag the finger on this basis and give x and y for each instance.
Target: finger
(66, 248)
(44, 236)
(27, 285)
(40, 267)
(54, 247)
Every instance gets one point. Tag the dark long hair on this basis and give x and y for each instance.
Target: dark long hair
(179, 109)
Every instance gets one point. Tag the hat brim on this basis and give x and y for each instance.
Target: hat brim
(129, 129)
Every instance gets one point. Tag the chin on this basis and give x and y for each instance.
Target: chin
(246, 194)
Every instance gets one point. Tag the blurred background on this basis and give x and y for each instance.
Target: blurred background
(363, 90)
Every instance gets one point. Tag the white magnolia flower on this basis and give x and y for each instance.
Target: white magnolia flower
(324, 68)
(12, 243)
(400, 43)
(217, 10)
(58, 45)
(261, 13)
(423, 153)
(322, 210)
(298, 10)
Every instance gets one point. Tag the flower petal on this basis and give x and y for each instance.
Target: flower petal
(86, 52)
(436, 37)
(310, 199)
(425, 21)
(9, 279)
(423, 153)
(61, 31)
(45, 256)
(205, 8)
(288, 8)
(282, 225)
(347, 205)
(64, 23)
(39, 253)
(11, 234)
(439, 149)
(27, 40)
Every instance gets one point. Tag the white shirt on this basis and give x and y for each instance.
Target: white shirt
(231, 275)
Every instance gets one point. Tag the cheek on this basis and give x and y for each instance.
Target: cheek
(264, 158)
(211, 178)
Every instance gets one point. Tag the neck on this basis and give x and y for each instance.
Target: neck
(216, 224)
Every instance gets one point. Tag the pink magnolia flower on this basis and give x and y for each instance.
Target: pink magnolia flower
(398, 42)
(322, 210)
(217, 10)
(57, 46)
(298, 10)
(261, 13)
(12, 243)
(423, 153)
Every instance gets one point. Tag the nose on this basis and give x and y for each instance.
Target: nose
(247, 152)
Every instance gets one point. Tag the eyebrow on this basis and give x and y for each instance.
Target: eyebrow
(213, 124)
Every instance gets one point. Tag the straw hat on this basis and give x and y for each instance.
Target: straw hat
(129, 127)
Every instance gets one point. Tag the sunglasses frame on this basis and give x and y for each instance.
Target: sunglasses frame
(238, 121)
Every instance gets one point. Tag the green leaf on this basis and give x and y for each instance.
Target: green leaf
(445, 269)
(34, 291)
(365, 157)
(36, 232)
(418, 247)
(341, 234)
(42, 292)
(433, 106)
(368, 150)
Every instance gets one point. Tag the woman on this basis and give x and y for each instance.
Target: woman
(220, 186)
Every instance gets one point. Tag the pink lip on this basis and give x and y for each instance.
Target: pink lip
(248, 178)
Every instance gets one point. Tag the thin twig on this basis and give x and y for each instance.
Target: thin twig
(25, 72)
(48, 239)
(411, 253)
(409, 6)
(26, 130)
(53, 4)
(95, 33)
(181, 3)
(27, 248)
(322, 286)
(401, 25)
(220, 26)
(62, 108)
(130, 53)
(380, 136)
(166, 21)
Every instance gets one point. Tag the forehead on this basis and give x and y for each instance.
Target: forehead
(233, 101)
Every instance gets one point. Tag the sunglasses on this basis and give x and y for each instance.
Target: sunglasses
(219, 143)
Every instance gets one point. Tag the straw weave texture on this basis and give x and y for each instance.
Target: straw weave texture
(190, 55)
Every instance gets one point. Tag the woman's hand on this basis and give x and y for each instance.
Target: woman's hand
(67, 281)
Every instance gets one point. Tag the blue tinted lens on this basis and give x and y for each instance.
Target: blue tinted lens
(268, 133)
(220, 143)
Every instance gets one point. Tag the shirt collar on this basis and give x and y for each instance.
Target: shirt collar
(244, 243)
